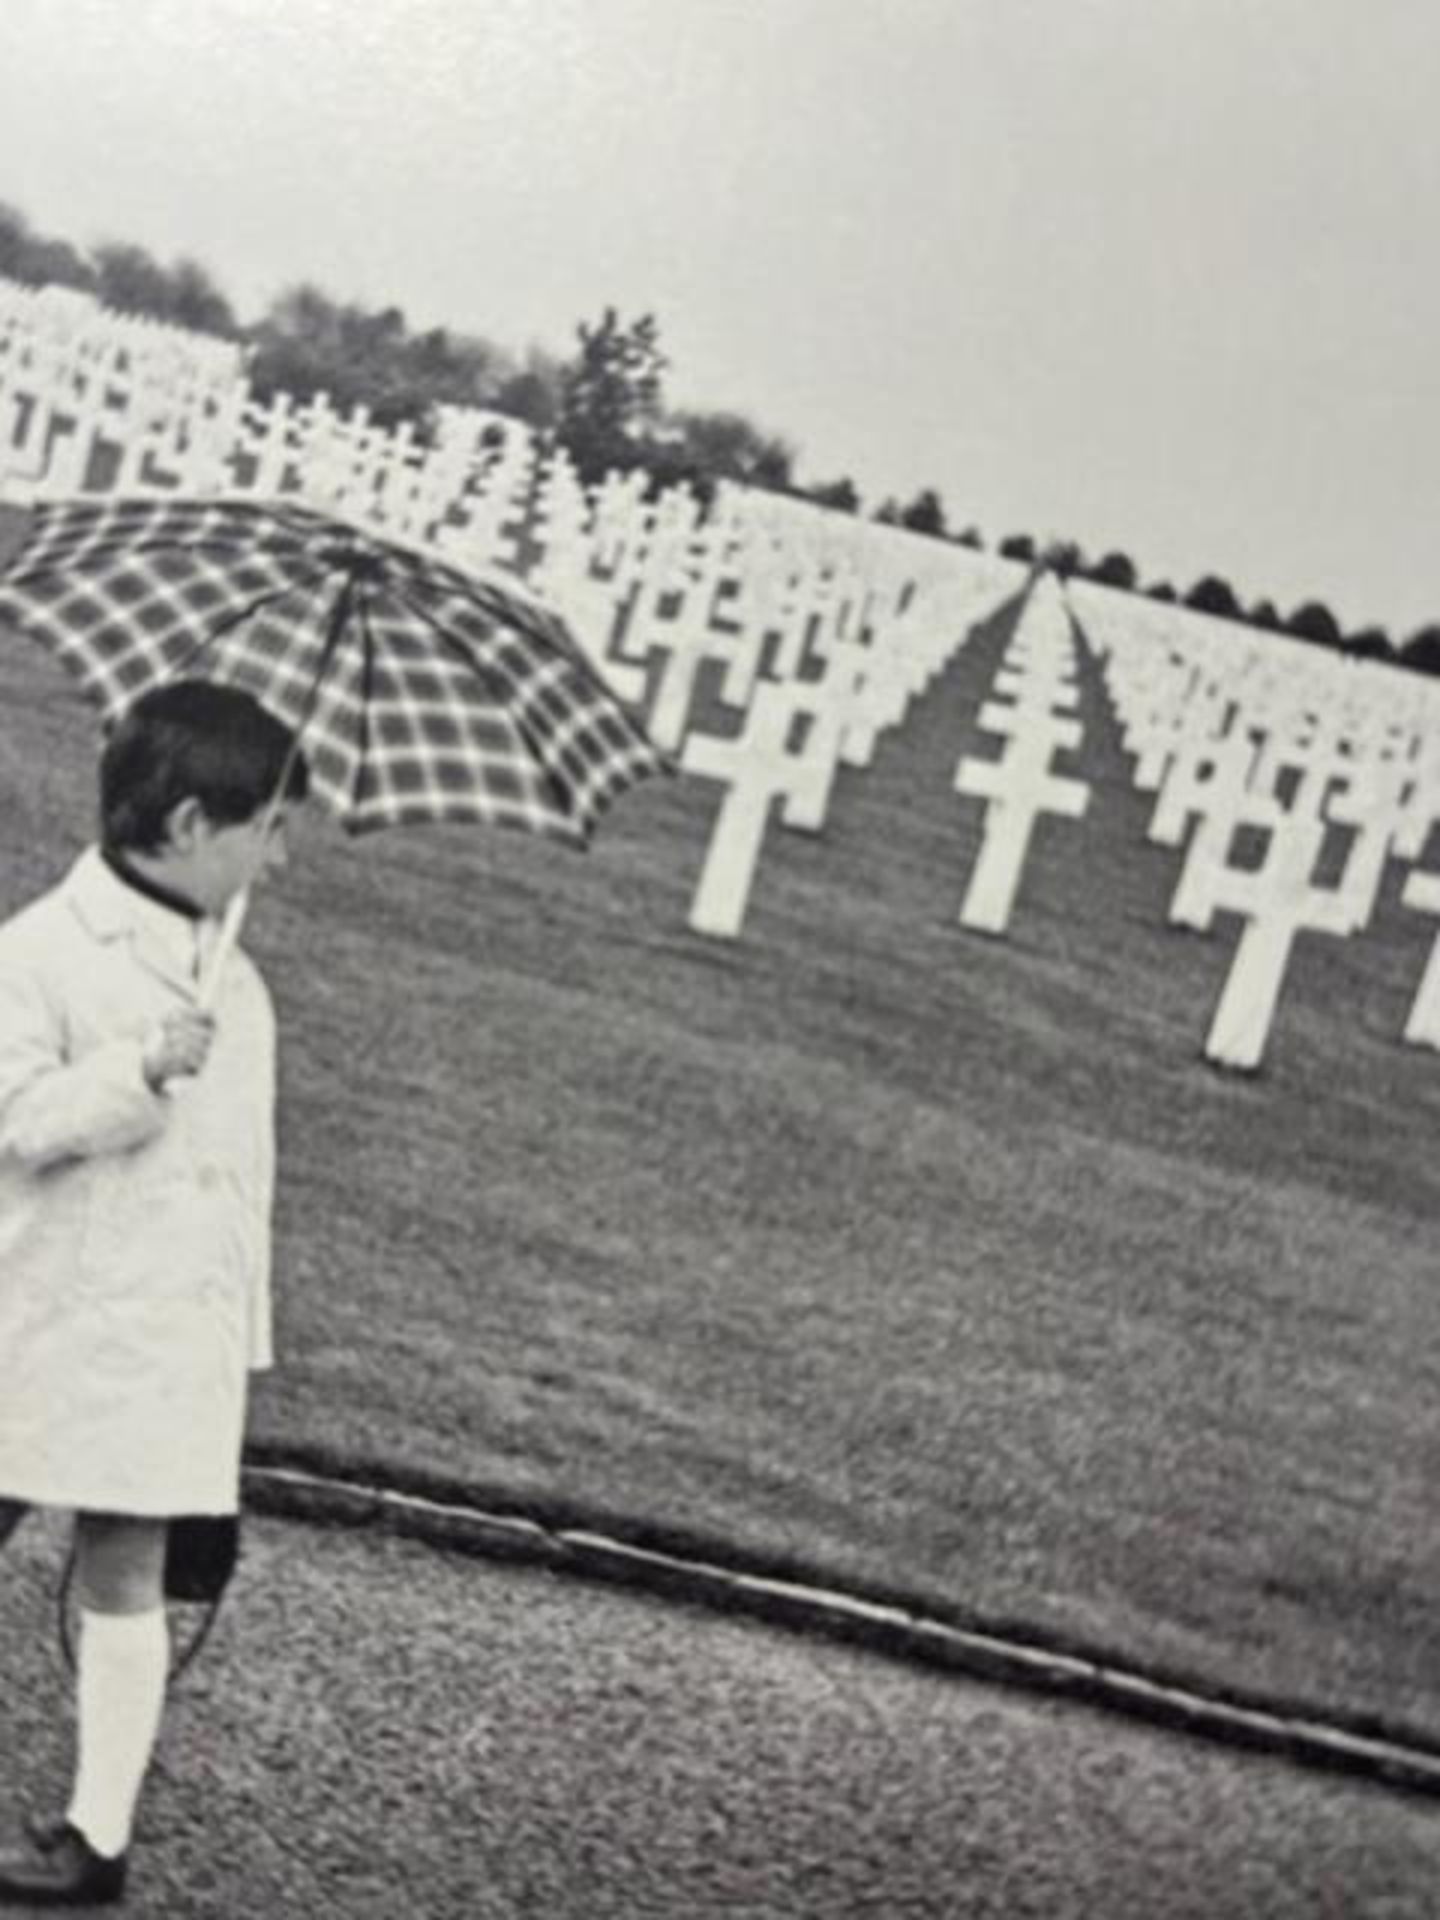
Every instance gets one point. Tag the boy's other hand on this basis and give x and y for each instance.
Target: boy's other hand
(179, 1044)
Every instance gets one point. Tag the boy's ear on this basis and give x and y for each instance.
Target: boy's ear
(184, 825)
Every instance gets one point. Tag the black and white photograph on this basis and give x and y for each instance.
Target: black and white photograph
(720, 959)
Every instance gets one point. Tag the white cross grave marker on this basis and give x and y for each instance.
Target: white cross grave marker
(759, 765)
(1021, 785)
(1279, 900)
(831, 701)
(1210, 779)
(686, 638)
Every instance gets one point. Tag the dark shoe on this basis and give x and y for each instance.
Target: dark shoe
(66, 1872)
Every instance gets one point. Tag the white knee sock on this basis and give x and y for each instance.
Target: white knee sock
(123, 1663)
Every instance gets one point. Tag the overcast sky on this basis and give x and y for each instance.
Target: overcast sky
(1155, 274)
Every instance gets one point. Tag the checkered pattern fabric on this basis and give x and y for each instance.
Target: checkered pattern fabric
(420, 692)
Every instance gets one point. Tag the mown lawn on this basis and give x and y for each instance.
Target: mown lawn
(915, 1259)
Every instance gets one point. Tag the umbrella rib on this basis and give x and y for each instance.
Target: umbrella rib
(510, 605)
(482, 672)
(367, 682)
(238, 618)
(456, 645)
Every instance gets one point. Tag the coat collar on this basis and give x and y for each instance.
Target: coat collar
(166, 942)
(124, 869)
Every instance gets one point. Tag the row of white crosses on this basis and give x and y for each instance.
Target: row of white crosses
(759, 589)
(816, 630)
(92, 400)
(82, 388)
(880, 628)
(95, 400)
(682, 592)
(583, 536)
(464, 495)
(653, 583)
(1036, 699)
(1235, 730)
(483, 467)
(171, 410)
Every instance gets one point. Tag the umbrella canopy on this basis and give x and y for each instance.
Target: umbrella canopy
(421, 692)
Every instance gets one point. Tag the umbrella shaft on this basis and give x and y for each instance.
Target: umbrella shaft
(235, 912)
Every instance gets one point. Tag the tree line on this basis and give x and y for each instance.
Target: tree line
(604, 405)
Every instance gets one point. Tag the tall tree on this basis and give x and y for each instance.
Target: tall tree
(37, 261)
(196, 302)
(611, 393)
(1115, 570)
(774, 467)
(131, 279)
(1421, 652)
(1211, 594)
(532, 394)
(298, 346)
(841, 496)
(1314, 621)
(14, 241)
(1062, 557)
(1369, 643)
(308, 343)
(925, 514)
(728, 446)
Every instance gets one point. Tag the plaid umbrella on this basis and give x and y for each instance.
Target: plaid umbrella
(423, 693)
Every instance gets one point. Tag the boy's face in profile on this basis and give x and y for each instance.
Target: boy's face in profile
(209, 863)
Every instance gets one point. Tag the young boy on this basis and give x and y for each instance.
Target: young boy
(136, 1170)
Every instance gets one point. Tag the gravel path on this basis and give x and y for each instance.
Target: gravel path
(379, 1729)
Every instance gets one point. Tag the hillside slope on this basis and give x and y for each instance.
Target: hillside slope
(932, 1263)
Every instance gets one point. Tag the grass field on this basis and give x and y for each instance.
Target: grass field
(928, 1263)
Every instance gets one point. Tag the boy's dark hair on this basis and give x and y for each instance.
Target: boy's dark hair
(192, 739)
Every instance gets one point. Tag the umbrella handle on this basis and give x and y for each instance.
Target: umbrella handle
(225, 940)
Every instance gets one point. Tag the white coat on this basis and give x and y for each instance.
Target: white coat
(134, 1226)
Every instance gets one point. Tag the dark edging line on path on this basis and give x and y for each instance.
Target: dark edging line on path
(294, 1493)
